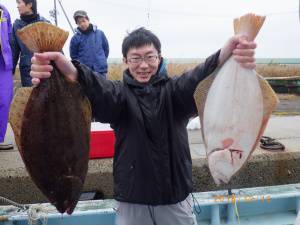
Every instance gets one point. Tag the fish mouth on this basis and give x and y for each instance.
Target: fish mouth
(229, 149)
(232, 152)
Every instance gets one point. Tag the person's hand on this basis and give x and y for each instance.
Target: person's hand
(40, 68)
(242, 50)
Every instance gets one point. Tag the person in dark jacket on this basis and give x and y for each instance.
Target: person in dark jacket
(28, 15)
(6, 78)
(89, 44)
(149, 112)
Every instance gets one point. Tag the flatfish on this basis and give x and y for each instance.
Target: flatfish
(234, 106)
(55, 126)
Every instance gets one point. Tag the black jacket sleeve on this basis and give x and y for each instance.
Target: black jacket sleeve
(106, 97)
(184, 86)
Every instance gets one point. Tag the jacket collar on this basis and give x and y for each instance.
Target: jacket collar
(30, 18)
(21, 22)
(79, 32)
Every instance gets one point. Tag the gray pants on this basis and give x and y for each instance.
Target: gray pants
(175, 214)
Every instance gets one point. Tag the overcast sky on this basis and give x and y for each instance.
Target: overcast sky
(186, 28)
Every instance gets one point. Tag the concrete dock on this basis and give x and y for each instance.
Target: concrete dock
(263, 168)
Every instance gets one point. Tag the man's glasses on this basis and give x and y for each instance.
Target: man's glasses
(148, 59)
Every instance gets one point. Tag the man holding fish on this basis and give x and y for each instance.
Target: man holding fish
(149, 112)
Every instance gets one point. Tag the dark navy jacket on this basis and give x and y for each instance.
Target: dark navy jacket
(152, 161)
(19, 50)
(90, 49)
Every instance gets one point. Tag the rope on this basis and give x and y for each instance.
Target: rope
(270, 144)
(233, 200)
(151, 212)
(237, 212)
(36, 213)
(196, 205)
(10, 202)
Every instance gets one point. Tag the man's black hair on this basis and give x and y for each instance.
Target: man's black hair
(34, 5)
(139, 38)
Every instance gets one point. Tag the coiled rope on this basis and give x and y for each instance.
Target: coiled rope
(34, 212)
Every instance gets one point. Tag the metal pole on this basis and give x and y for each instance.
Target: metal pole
(55, 13)
(148, 13)
(59, 1)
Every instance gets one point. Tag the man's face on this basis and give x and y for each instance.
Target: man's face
(142, 62)
(23, 8)
(83, 23)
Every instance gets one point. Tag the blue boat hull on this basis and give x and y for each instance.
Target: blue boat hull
(276, 205)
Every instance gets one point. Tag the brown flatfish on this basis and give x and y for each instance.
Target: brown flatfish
(55, 129)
